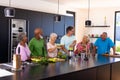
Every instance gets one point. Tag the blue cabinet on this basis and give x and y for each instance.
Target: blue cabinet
(47, 23)
(69, 21)
(34, 21)
(20, 14)
(59, 27)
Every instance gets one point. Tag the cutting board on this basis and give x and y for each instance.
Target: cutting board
(111, 55)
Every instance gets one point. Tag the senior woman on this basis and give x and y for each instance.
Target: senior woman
(83, 46)
(51, 46)
(24, 49)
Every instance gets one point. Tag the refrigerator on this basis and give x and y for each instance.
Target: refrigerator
(17, 26)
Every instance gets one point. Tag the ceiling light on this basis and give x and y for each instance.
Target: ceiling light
(57, 17)
(9, 11)
(88, 22)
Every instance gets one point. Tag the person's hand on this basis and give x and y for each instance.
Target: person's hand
(71, 45)
(59, 46)
(84, 49)
(115, 54)
(55, 47)
(74, 42)
(79, 51)
(93, 54)
(62, 47)
(29, 58)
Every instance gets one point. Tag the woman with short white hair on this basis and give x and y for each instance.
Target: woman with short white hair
(51, 46)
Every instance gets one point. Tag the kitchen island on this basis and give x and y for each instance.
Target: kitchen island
(96, 68)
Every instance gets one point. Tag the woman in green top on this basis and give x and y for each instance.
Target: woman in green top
(37, 44)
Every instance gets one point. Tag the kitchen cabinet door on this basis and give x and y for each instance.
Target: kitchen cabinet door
(115, 71)
(4, 35)
(59, 27)
(20, 14)
(34, 21)
(79, 75)
(69, 21)
(103, 72)
(47, 23)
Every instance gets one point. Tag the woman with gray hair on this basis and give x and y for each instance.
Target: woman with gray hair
(51, 46)
(22, 47)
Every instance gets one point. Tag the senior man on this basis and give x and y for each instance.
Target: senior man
(37, 44)
(103, 45)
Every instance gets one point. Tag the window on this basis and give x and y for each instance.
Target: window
(117, 31)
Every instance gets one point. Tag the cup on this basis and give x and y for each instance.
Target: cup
(82, 56)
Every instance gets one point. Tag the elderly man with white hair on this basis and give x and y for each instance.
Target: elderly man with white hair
(51, 46)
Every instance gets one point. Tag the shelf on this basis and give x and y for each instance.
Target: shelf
(98, 26)
(94, 37)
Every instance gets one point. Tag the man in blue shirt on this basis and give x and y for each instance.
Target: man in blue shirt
(103, 45)
(68, 40)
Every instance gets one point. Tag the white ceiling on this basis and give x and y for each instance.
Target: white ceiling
(83, 3)
(64, 1)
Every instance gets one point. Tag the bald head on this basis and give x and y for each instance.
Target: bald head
(38, 31)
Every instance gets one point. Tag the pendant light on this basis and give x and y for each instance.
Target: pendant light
(88, 22)
(9, 11)
(57, 17)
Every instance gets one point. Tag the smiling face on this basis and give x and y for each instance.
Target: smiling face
(85, 39)
(53, 38)
(25, 39)
(71, 32)
(38, 32)
(104, 36)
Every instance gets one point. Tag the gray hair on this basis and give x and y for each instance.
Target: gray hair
(21, 36)
(52, 34)
(105, 33)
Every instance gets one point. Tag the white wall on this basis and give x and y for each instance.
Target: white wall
(80, 23)
(97, 16)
